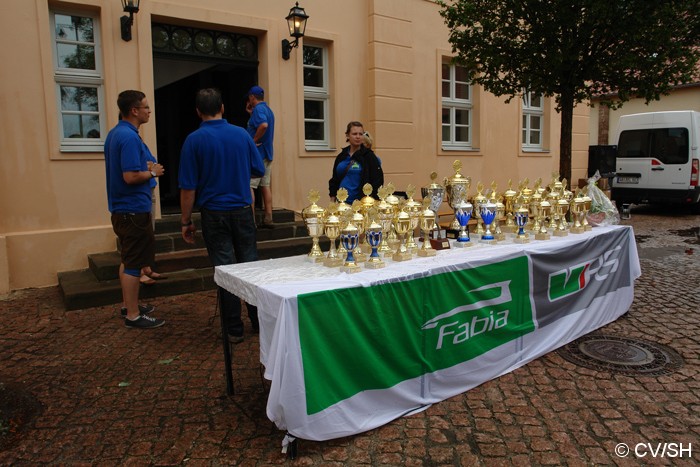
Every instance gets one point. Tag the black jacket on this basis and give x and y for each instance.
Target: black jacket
(371, 170)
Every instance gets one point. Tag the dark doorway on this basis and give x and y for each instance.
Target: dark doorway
(176, 115)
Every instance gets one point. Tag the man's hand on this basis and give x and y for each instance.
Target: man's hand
(188, 232)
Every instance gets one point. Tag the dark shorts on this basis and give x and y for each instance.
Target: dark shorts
(135, 233)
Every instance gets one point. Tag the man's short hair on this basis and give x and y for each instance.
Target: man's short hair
(208, 101)
(127, 100)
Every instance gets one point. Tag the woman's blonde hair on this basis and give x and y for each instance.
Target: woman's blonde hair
(367, 140)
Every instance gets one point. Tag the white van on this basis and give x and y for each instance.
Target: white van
(658, 158)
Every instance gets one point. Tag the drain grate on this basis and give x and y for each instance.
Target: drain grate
(621, 355)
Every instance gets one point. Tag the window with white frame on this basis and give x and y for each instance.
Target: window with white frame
(79, 82)
(533, 120)
(316, 97)
(457, 107)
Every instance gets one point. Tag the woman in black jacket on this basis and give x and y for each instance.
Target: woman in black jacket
(355, 166)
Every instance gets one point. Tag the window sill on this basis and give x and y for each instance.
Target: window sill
(319, 149)
(535, 151)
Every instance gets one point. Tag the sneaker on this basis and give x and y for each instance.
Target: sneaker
(143, 309)
(144, 322)
(234, 339)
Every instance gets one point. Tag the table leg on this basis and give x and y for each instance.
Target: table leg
(227, 347)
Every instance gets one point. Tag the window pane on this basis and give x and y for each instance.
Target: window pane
(81, 57)
(524, 125)
(313, 56)
(445, 71)
(313, 110)
(445, 115)
(313, 77)
(461, 117)
(535, 122)
(79, 98)
(461, 74)
(462, 134)
(446, 133)
(313, 131)
(74, 28)
(445, 89)
(534, 137)
(525, 136)
(81, 126)
(462, 91)
(536, 100)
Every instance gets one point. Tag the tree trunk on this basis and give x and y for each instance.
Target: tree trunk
(567, 118)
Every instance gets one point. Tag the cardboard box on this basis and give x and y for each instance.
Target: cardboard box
(603, 183)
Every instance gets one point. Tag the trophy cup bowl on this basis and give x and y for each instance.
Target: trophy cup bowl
(435, 193)
(332, 230)
(313, 218)
(577, 210)
(373, 234)
(427, 224)
(402, 224)
(350, 237)
(562, 208)
(488, 214)
(463, 214)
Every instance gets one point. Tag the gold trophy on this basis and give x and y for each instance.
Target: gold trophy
(344, 210)
(587, 201)
(413, 208)
(562, 229)
(456, 189)
(509, 197)
(535, 202)
(545, 210)
(385, 214)
(313, 218)
(332, 230)
(427, 224)
(527, 196)
(577, 211)
(367, 204)
(402, 225)
(392, 239)
(359, 221)
(498, 234)
(479, 200)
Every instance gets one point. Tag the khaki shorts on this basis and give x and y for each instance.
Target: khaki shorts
(265, 179)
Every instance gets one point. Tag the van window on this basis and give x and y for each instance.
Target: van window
(668, 145)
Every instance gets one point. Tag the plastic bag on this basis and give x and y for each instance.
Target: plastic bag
(603, 211)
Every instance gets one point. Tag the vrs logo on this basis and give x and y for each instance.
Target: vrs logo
(468, 321)
(574, 279)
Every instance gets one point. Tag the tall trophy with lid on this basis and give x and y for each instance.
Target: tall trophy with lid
(457, 189)
(413, 208)
(509, 196)
(463, 214)
(332, 230)
(313, 218)
(374, 234)
(402, 225)
(367, 203)
(427, 224)
(385, 216)
(545, 210)
(344, 211)
(479, 201)
(488, 214)
(435, 192)
(349, 238)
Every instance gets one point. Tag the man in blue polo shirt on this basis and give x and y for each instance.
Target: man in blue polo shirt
(129, 172)
(261, 127)
(216, 166)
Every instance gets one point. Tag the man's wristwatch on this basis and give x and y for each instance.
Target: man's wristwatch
(153, 174)
(188, 224)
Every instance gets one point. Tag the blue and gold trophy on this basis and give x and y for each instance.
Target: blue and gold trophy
(463, 213)
(521, 216)
(349, 238)
(373, 234)
(488, 214)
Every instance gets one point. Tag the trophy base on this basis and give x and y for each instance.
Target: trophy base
(351, 268)
(560, 233)
(332, 262)
(425, 253)
(577, 230)
(374, 264)
(439, 243)
(510, 229)
(360, 257)
(487, 240)
(524, 239)
(588, 227)
(542, 236)
(459, 244)
(315, 259)
(404, 256)
(500, 237)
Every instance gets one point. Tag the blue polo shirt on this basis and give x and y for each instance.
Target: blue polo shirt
(263, 114)
(125, 151)
(217, 161)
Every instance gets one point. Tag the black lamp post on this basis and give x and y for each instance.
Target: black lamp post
(296, 20)
(131, 7)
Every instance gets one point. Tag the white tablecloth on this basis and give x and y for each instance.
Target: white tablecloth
(605, 257)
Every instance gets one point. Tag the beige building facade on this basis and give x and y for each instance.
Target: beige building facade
(383, 62)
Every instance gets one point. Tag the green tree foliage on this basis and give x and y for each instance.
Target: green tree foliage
(575, 50)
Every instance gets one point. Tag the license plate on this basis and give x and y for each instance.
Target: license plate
(627, 179)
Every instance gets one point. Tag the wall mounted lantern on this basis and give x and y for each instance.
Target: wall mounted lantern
(131, 7)
(296, 20)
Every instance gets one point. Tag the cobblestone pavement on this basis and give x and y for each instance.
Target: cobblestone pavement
(114, 396)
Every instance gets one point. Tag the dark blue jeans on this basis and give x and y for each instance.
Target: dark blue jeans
(230, 238)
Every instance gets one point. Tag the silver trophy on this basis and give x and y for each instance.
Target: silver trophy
(435, 193)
